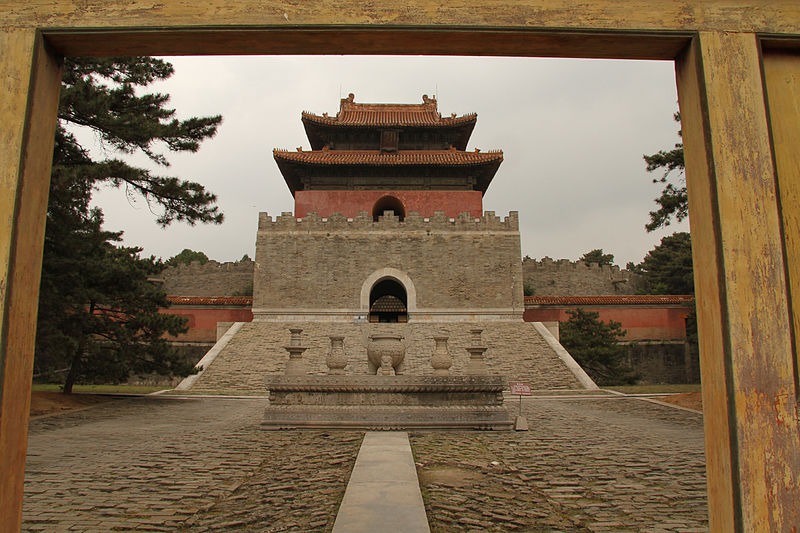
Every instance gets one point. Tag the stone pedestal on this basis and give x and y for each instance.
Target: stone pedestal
(295, 366)
(476, 366)
(387, 402)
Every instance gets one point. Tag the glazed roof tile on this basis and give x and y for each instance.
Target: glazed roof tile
(393, 115)
(426, 114)
(210, 300)
(376, 157)
(631, 299)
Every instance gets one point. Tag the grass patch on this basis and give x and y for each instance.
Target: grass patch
(98, 389)
(648, 389)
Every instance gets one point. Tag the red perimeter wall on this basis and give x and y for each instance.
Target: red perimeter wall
(641, 323)
(203, 320)
(349, 203)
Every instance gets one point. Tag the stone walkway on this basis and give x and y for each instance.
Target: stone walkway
(182, 465)
(614, 464)
(206, 465)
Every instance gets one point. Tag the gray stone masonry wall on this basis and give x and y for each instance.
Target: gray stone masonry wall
(663, 362)
(209, 279)
(316, 263)
(516, 351)
(576, 278)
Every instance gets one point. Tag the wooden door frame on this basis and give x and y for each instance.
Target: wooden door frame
(739, 225)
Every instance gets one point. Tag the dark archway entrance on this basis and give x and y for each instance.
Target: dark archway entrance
(388, 302)
(388, 203)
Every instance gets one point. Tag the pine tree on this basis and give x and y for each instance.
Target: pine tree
(673, 201)
(595, 346)
(668, 268)
(187, 256)
(98, 314)
(597, 256)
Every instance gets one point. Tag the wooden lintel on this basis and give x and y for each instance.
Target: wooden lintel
(374, 41)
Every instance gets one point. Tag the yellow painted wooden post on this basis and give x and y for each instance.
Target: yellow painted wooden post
(752, 438)
(782, 77)
(30, 83)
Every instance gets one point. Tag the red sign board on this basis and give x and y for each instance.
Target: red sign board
(520, 388)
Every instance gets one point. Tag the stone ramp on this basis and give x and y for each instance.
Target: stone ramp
(516, 351)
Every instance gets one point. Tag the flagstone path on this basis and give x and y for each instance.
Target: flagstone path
(205, 464)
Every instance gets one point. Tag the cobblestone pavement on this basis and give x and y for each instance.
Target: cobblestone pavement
(182, 465)
(206, 465)
(585, 465)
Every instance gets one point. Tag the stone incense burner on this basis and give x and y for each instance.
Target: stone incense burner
(385, 353)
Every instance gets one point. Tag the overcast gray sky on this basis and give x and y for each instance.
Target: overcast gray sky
(572, 131)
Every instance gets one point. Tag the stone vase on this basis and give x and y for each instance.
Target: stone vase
(337, 359)
(441, 361)
(385, 353)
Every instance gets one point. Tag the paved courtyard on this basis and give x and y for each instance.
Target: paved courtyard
(157, 464)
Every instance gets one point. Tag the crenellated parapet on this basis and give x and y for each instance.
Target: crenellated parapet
(209, 279)
(390, 222)
(563, 277)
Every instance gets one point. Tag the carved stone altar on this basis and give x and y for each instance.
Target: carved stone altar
(387, 402)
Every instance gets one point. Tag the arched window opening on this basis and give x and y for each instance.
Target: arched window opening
(387, 302)
(388, 203)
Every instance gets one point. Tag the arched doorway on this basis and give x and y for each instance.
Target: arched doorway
(388, 302)
(388, 203)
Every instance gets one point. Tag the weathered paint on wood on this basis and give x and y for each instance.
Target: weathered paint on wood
(782, 77)
(775, 16)
(25, 155)
(751, 424)
(752, 438)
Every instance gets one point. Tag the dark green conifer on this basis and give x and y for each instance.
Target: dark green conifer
(98, 313)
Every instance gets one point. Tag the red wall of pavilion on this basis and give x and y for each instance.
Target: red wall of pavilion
(349, 203)
(641, 323)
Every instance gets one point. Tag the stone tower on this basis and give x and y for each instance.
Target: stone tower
(388, 238)
(388, 224)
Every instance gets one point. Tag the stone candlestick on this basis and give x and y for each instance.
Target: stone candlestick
(295, 366)
(476, 366)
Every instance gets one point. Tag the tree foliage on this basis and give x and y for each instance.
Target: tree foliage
(597, 256)
(673, 201)
(101, 94)
(595, 346)
(98, 314)
(667, 268)
(187, 256)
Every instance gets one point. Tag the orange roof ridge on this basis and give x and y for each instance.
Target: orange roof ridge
(352, 113)
(376, 157)
(625, 299)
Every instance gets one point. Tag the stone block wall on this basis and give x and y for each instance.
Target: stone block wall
(664, 362)
(516, 351)
(461, 263)
(571, 278)
(209, 279)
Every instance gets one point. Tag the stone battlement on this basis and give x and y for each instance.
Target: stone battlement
(555, 265)
(413, 221)
(209, 279)
(563, 277)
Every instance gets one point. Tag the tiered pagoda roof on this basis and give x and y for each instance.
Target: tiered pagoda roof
(388, 146)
